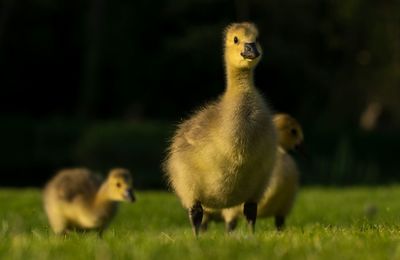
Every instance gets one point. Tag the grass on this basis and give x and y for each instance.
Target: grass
(326, 223)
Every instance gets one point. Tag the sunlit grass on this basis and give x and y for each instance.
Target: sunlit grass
(351, 223)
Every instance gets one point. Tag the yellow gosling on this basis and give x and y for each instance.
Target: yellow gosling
(279, 197)
(281, 192)
(78, 199)
(223, 155)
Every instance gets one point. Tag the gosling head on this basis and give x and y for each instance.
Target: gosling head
(119, 182)
(242, 50)
(290, 134)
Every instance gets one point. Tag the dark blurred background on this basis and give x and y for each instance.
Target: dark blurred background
(103, 83)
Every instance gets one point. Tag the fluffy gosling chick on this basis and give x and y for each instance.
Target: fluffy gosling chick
(78, 199)
(279, 197)
(281, 192)
(223, 155)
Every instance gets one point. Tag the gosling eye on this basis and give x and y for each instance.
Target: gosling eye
(293, 132)
(118, 184)
(236, 40)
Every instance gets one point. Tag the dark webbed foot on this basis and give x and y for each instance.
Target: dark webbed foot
(250, 212)
(279, 222)
(231, 225)
(196, 216)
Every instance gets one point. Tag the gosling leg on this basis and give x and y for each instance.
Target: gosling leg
(250, 212)
(231, 225)
(279, 222)
(58, 224)
(204, 223)
(196, 216)
(100, 232)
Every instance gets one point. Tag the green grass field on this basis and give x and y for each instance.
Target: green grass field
(326, 223)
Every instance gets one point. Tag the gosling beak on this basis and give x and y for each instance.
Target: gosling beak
(299, 148)
(250, 51)
(129, 196)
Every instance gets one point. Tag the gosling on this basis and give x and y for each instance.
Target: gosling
(223, 155)
(78, 199)
(279, 198)
(280, 195)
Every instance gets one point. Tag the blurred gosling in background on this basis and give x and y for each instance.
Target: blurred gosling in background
(78, 199)
(281, 192)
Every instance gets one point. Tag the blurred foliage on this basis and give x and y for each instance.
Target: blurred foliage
(40, 148)
(87, 62)
(139, 146)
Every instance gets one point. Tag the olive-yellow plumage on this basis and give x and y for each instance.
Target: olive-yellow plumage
(78, 199)
(280, 193)
(223, 155)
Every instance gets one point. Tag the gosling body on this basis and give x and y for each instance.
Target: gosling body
(79, 199)
(223, 155)
(280, 194)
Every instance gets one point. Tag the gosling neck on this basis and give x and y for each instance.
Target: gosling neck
(102, 200)
(239, 80)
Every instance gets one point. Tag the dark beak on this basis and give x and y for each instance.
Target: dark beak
(250, 51)
(129, 196)
(300, 150)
